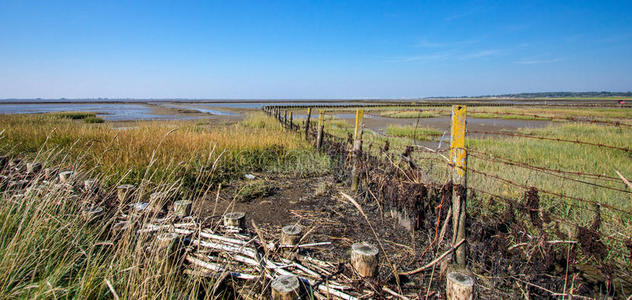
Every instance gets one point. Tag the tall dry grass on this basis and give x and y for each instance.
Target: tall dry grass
(256, 144)
(50, 250)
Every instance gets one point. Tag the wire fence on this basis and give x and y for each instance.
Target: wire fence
(418, 191)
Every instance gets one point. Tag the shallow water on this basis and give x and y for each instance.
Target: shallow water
(159, 110)
(107, 111)
(200, 108)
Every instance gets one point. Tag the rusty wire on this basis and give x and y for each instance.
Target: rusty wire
(629, 150)
(512, 163)
(540, 168)
(606, 205)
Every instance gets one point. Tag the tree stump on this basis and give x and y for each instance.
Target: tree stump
(33, 168)
(364, 259)
(123, 192)
(64, 176)
(459, 286)
(182, 208)
(290, 235)
(234, 220)
(285, 287)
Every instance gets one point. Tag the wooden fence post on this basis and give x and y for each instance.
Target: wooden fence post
(458, 158)
(309, 115)
(357, 150)
(321, 130)
(291, 120)
(285, 118)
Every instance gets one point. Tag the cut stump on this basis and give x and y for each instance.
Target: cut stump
(459, 286)
(285, 287)
(290, 235)
(234, 220)
(182, 208)
(364, 259)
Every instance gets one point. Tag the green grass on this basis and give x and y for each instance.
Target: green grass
(91, 120)
(512, 113)
(74, 115)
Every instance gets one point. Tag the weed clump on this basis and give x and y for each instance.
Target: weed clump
(74, 115)
(254, 189)
(93, 120)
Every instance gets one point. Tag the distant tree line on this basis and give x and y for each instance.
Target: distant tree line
(551, 95)
(566, 94)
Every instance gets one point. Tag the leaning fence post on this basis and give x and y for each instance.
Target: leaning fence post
(357, 150)
(458, 158)
(285, 118)
(321, 130)
(309, 115)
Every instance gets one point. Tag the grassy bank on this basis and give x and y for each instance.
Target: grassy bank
(124, 155)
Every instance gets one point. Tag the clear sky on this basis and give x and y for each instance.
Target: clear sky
(317, 49)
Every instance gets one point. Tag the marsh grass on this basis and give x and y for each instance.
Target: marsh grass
(512, 113)
(74, 115)
(254, 189)
(554, 155)
(256, 144)
(93, 120)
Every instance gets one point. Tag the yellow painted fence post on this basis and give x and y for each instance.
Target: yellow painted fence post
(458, 158)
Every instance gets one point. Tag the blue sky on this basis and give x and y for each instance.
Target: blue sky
(319, 49)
